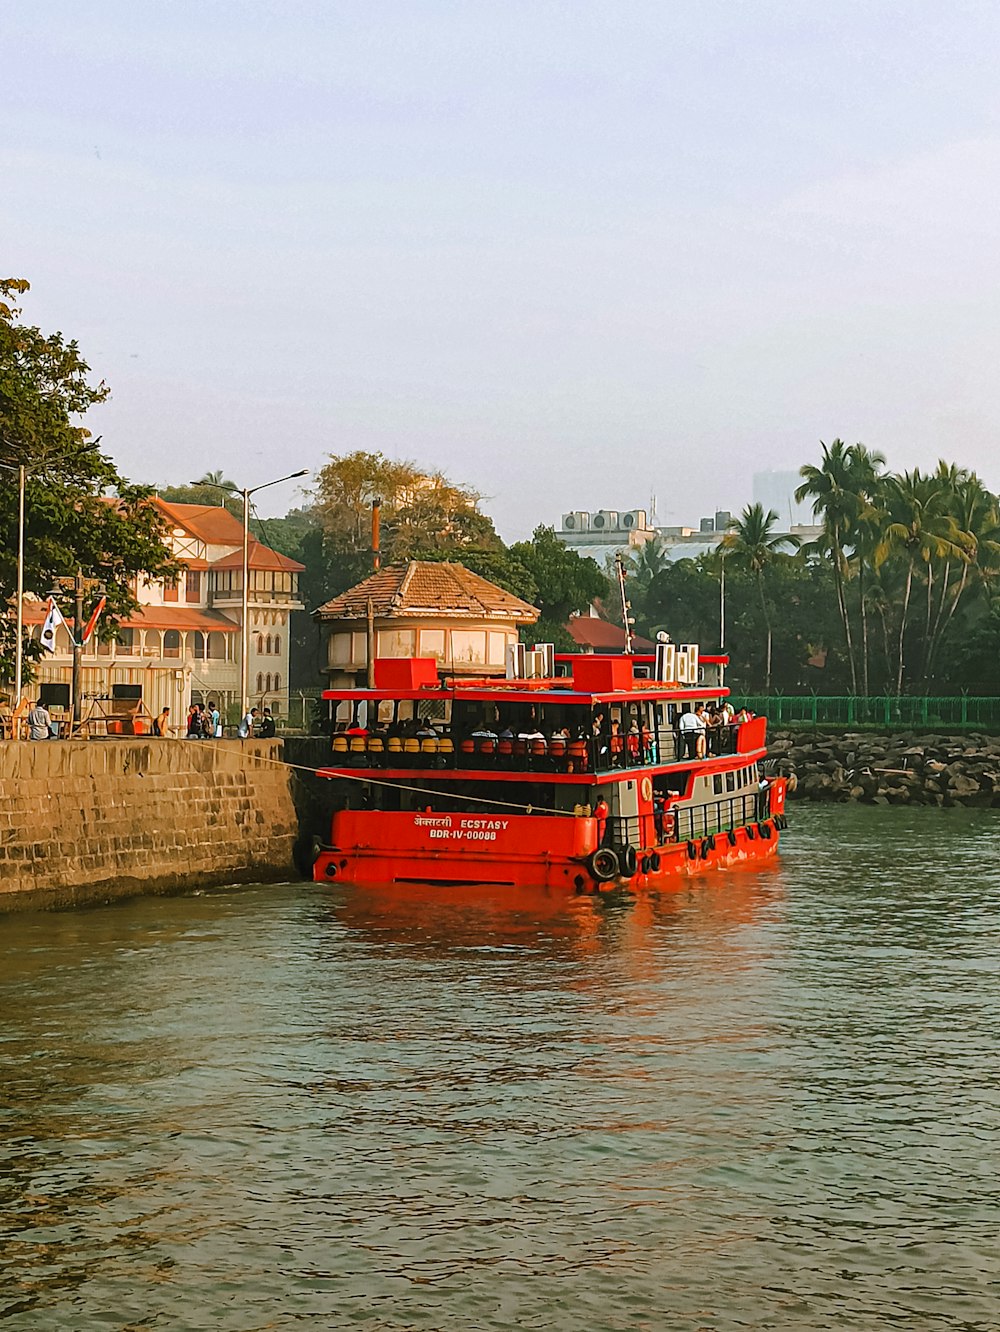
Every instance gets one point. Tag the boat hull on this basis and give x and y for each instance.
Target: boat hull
(526, 853)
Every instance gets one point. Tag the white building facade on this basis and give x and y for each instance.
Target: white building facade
(183, 645)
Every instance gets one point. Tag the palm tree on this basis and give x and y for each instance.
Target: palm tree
(841, 489)
(920, 529)
(752, 542)
(977, 518)
(217, 479)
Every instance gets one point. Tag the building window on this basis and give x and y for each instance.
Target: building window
(260, 644)
(277, 682)
(192, 586)
(267, 684)
(125, 643)
(171, 643)
(260, 683)
(277, 642)
(170, 589)
(199, 646)
(268, 648)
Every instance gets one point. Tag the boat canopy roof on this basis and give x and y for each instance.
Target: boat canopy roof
(593, 680)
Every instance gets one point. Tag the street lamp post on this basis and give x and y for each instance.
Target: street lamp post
(246, 492)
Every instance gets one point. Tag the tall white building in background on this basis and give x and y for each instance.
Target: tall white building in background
(776, 490)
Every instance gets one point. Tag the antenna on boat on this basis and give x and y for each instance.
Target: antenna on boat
(627, 619)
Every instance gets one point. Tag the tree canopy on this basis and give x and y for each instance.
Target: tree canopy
(80, 513)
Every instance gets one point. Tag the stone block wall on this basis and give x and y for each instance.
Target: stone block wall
(88, 821)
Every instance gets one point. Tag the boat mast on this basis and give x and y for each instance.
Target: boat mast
(627, 619)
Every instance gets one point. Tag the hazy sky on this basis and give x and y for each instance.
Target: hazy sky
(571, 253)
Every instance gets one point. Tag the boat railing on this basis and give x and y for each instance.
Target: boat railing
(488, 752)
(690, 823)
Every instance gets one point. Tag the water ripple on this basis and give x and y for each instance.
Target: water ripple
(766, 1101)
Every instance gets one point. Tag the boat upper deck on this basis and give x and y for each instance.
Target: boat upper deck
(600, 721)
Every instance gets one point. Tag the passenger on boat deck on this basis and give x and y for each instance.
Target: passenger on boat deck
(426, 731)
(530, 732)
(744, 715)
(561, 733)
(692, 729)
(483, 732)
(601, 812)
(728, 713)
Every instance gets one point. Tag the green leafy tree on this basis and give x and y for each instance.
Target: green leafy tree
(567, 583)
(80, 513)
(920, 529)
(840, 489)
(752, 542)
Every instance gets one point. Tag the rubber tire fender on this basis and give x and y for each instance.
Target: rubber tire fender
(764, 829)
(644, 865)
(654, 861)
(751, 831)
(732, 837)
(629, 860)
(603, 864)
(692, 850)
(706, 846)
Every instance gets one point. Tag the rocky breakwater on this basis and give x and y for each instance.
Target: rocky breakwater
(903, 769)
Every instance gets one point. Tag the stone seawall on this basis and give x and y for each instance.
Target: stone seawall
(88, 821)
(909, 768)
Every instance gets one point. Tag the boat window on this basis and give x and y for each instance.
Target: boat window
(730, 780)
(717, 783)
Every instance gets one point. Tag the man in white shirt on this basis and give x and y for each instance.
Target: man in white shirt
(39, 722)
(692, 728)
(245, 731)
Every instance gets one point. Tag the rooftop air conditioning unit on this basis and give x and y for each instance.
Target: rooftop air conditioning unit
(634, 518)
(515, 661)
(548, 652)
(606, 520)
(534, 665)
(577, 521)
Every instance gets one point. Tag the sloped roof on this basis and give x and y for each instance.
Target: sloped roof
(596, 635)
(216, 526)
(259, 557)
(155, 617)
(424, 587)
(212, 523)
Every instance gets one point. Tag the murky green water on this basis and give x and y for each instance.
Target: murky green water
(769, 1101)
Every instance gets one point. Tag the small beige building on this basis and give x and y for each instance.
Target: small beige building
(421, 609)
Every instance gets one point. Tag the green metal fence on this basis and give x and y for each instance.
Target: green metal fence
(889, 713)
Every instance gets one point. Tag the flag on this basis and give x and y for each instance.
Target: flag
(52, 622)
(91, 624)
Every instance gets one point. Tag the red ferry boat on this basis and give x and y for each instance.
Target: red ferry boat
(572, 773)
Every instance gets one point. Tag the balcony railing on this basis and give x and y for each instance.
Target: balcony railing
(488, 753)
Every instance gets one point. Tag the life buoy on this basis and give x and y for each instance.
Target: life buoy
(692, 850)
(629, 861)
(603, 864)
(654, 861)
(646, 789)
